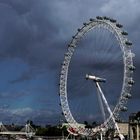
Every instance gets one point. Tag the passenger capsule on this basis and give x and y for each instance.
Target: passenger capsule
(128, 43)
(119, 25)
(63, 114)
(72, 46)
(132, 68)
(98, 17)
(113, 20)
(84, 23)
(78, 29)
(124, 33)
(91, 19)
(106, 18)
(123, 108)
(128, 95)
(131, 82)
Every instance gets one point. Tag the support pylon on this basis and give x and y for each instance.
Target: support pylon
(28, 129)
(2, 127)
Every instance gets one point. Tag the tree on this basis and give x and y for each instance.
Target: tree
(41, 131)
(86, 123)
(138, 115)
(94, 124)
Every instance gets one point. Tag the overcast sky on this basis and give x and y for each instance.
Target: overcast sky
(33, 39)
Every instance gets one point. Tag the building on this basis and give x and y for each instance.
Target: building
(124, 129)
(134, 126)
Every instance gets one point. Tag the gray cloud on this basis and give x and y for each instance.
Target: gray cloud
(40, 117)
(128, 11)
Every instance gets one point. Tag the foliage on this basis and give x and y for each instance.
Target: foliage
(41, 131)
(51, 131)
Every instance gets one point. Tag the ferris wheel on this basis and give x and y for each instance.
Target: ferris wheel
(97, 74)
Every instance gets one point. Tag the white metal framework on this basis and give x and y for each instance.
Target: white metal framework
(125, 45)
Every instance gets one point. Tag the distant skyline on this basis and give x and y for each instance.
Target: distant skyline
(33, 39)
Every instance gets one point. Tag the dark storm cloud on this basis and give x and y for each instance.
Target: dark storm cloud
(30, 36)
(20, 6)
(21, 30)
(35, 30)
(38, 31)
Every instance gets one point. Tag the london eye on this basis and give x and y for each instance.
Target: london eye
(96, 76)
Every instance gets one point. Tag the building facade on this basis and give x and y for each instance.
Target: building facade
(131, 129)
(134, 126)
(124, 129)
